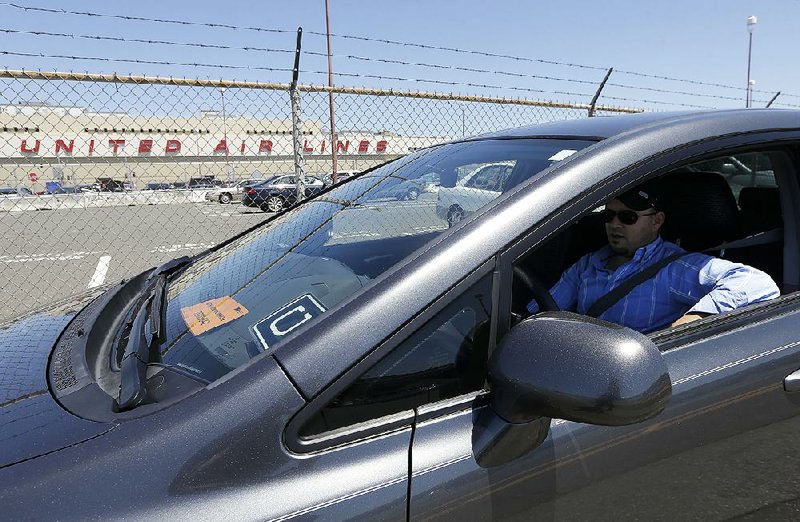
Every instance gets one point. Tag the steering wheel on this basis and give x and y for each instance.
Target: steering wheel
(537, 290)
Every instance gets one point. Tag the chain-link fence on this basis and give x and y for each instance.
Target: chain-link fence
(102, 177)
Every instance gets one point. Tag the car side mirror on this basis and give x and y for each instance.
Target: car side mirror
(568, 366)
(573, 367)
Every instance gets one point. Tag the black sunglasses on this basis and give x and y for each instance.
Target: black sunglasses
(626, 217)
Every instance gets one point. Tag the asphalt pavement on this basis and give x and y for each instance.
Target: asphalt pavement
(51, 254)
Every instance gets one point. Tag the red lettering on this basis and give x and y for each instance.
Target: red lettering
(116, 144)
(363, 145)
(60, 145)
(91, 146)
(265, 146)
(173, 146)
(380, 148)
(25, 150)
(342, 147)
(242, 147)
(306, 148)
(34, 177)
(222, 146)
(322, 146)
(145, 146)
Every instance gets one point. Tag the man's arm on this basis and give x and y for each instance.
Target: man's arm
(713, 286)
(689, 317)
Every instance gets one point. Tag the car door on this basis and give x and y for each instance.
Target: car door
(723, 448)
(365, 419)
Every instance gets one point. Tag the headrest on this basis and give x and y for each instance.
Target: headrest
(701, 211)
(763, 199)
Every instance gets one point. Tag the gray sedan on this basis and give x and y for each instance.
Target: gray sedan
(230, 193)
(354, 359)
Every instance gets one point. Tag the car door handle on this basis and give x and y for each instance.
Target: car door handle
(792, 382)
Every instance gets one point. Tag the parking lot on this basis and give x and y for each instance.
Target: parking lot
(51, 254)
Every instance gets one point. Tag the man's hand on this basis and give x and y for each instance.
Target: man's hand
(688, 318)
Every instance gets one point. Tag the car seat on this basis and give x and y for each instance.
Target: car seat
(701, 211)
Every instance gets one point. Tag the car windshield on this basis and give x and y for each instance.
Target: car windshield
(249, 295)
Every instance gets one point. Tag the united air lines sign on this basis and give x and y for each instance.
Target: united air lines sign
(192, 146)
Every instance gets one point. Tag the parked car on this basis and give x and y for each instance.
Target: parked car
(202, 182)
(278, 193)
(232, 192)
(155, 185)
(472, 192)
(56, 187)
(19, 191)
(345, 360)
(109, 185)
(341, 175)
(410, 189)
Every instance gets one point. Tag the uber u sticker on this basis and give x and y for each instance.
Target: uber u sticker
(288, 318)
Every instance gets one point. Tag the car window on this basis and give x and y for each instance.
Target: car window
(490, 177)
(727, 207)
(445, 358)
(246, 297)
(751, 169)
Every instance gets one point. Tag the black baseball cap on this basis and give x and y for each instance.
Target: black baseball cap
(641, 198)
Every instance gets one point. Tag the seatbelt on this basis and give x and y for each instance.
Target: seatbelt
(761, 238)
(608, 300)
(605, 302)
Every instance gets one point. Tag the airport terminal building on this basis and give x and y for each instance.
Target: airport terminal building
(41, 143)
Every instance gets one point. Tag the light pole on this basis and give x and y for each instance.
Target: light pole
(751, 24)
(225, 134)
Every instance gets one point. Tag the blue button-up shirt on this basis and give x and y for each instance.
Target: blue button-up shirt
(693, 283)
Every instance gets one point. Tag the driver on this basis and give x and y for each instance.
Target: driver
(688, 288)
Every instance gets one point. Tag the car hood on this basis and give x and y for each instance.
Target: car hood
(32, 423)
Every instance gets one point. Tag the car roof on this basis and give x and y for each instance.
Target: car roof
(603, 127)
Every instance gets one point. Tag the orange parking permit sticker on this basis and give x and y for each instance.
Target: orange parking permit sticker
(207, 315)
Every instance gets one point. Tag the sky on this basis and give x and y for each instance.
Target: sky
(650, 45)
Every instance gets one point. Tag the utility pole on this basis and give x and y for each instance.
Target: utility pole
(225, 135)
(334, 141)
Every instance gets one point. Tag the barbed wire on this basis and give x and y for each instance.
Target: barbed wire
(150, 62)
(143, 19)
(156, 42)
(360, 58)
(380, 40)
(355, 75)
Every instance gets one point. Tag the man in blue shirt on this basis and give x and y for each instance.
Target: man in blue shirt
(689, 288)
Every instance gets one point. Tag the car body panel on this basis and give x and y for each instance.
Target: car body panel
(727, 409)
(32, 423)
(503, 221)
(722, 448)
(212, 449)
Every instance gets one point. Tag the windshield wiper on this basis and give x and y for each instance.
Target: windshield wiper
(133, 368)
(147, 333)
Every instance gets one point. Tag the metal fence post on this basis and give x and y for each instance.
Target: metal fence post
(774, 98)
(597, 94)
(296, 120)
